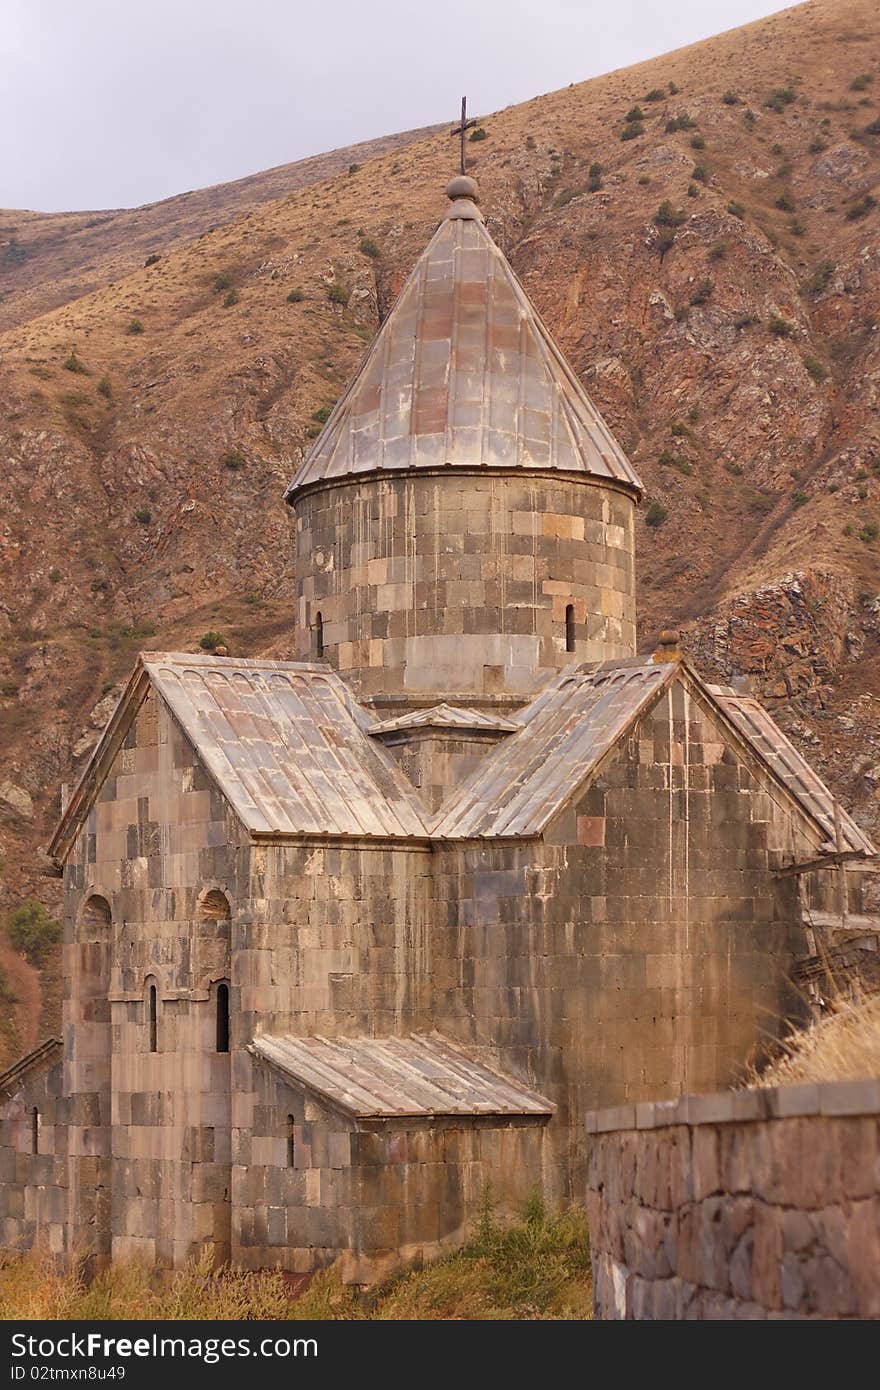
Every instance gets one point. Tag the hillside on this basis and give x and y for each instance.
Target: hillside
(712, 269)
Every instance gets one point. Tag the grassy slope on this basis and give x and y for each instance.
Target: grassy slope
(538, 1268)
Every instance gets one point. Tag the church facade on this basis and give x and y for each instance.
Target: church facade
(351, 939)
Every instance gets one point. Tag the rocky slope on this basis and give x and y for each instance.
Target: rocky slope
(712, 269)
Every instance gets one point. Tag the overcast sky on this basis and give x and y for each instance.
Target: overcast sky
(113, 103)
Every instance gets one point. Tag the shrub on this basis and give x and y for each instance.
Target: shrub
(682, 122)
(221, 282)
(785, 202)
(821, 277)
(703, 293)
(655, 94)
(656, 514)
(478, 134)
(862, 82)
(368, 247)
(799, 499)
(105, 389)
(780, 327)
(736, 210)
(644, 179)
(632, 131)
(718, 251)
(674, 89)
(353, 168)
(730, 99)
(665, 240)
(234, 459)
(782, 97)
(209, 641)
(154, 259)
(798, 226)
(635, 113)
(698, 142)
(135, 326)
(338, 294)
(693, 191)
(678, 430)
(530, 142)
(322, 414)
(54, 575)
(817, 146)
(15, 253)
(700, 173)
(666, 216)
(595, 178)
(72, 363)
(869, 532)
(230, 297)
(861, 207)
(749, 119)
(873, 128)
(295, 297)
(143, 515)
(746, 321)
(32, 931)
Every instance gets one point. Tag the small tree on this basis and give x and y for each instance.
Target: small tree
(33, 932)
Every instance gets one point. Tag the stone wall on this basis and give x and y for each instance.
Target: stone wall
(456, 586)
(642, 948)
(34, 1166)
(369, 1194)
(744, 1204)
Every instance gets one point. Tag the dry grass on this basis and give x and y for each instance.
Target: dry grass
(844, 1045)
(538, 1268)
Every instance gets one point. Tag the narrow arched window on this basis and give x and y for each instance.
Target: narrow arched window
(569, 627)
(319, 635)
(35, 1131)
(291, 1142)
(222, 1018)
(153, 1017)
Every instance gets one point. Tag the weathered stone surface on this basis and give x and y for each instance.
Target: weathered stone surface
(15, 802)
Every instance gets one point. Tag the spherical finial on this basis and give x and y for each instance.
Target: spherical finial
(463, 186)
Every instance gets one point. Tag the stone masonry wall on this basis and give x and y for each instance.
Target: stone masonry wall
(642, 947)
(158, 839)
(370, 1194)
(745, 1204)
(34, 1179)
(456, 586)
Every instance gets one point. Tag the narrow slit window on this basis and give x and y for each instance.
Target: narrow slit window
(291, 1143)
(153, 1016)
(569, 627)
(222, 1018)
(35, 1131)
(319, 635)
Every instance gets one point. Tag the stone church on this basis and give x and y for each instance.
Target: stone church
(352, 938)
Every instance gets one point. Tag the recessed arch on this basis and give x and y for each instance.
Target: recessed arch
(95, 912)
(213, 906)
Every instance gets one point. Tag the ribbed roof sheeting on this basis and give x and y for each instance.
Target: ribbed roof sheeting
(464, 373)
(566, 731)
(419, 1076)
(445, 716)
(780, 754)
(285, 743)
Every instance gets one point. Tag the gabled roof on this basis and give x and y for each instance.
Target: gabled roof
(579, 717)
(781, 756)
(464, 373)
(445, 716)
(284, 742)
(419, 1076)
(45, 1055)
(564, 733)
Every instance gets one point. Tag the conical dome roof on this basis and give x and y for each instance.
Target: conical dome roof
(464, 374)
